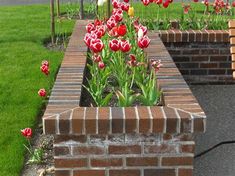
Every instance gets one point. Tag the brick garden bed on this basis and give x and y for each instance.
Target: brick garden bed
(202, 56)
(117, 141)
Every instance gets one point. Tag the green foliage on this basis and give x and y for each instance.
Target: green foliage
(126, 97)
(36, 157)
(150, 94)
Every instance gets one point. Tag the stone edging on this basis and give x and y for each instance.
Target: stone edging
(180, 114)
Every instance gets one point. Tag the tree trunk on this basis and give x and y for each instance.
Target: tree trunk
(58, 7)
(52, 23)
(81, 10)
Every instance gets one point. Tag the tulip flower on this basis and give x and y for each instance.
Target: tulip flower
(101, 65)
(195, 0)
(90, 27)
(113, 32)
(97, 22)
(116, 4)
(45, 69)
(96, 58)
(125, 46)
(27, 132)
(126, 1)
(45, 62)
(156, 65)
(132, 62)
(146, 2)
(42, 93)
(111, 23)
(144, 29)
(118, 17)
(166, 3)
(96, 45)
(125, 7)
(159, 2)
(140, 34)
(233, 4)
(131, 11)
(88, 37)
(122, 30)
(114, 45)
(143, 42)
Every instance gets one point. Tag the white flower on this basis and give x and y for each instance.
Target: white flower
(100, 2)
(140, 33)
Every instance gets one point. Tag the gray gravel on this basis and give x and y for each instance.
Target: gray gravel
(218, 102)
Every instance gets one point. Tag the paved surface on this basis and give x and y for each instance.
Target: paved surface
(218, 102)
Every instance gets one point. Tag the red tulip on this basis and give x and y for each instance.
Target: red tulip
(45, 69)
(114, 45)
(42, 93)
(122, 30)
(132, 62)
(88, 37)
(97, 22)
(166, 3)
(45, 62)
(125, 46)
(144, 29)
(111, 23)
(90, 27)
(143, 42)
(146, 2)
(126, 1)
(113, 32)
(27, 132)
(170, 1)
(96, 58)
(118, 17)
(233, 4)
(100, 31)
(116, 4)
(195, 0)
(101, 65)
(159, 2)
(125, 7)
(96, 45)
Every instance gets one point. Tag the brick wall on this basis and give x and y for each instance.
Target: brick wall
(201, 56)
(124, 155)
(122, 141)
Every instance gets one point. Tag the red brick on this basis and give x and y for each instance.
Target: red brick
(142, 161)
(161, 148)
(63, 173)
(124, 149)
(130, 120)
(124, 172)
(77, 120)
(90, 120)
(103, 120)
(185, 172)
(106, 162)
(117, 120)
(177, 161)
(158, 119)
(50, 125)
(88, 172)
(64, 122)
(89, 150)
(70, 162)
(144, 119)
(159, 172)
(171, 120)
(63, 138)
(58, 150)
(187, 148)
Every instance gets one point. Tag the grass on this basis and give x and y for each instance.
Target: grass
(23, 30)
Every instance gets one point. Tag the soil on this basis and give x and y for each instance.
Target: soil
(45, 142)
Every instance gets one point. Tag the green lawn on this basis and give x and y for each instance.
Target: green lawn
(22, 32)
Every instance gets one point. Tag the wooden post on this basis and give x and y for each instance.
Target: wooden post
(52, 23)
(108, 9)
(81, 10)
(58, 7)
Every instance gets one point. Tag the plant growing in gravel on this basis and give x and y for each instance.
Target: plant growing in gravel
(35, 154)
(118, 65)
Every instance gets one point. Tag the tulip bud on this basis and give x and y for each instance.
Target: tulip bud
(140, 34)
(143, 42)
(100, 2)
(96, 58)
(45, 69)
(131, 11)
(42, 93)
(27, 132)
(96, 45)
(101, 65)
(122, 30)
(125, 46)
